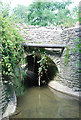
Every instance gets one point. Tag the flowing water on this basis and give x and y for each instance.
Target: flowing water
(43, 102)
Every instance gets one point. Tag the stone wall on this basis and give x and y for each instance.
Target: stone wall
(68, 74)
(3, 102)
(36, 34)
(0, 102)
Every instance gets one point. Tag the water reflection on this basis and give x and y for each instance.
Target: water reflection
(40, 102)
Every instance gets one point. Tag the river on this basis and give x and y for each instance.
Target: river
(43, 102)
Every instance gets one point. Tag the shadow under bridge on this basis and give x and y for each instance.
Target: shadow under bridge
(32, 68)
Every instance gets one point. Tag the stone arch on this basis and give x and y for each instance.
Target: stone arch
(32, 71)
(56, 60)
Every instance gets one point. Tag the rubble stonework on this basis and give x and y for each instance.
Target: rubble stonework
(68, 74)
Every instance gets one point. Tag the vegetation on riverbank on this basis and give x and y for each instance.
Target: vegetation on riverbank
(12, 52)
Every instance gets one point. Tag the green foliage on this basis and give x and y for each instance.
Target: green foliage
(43, 64)
(76, 12)
(20, 13)
(4, 8)
(46, 13)
(77, 43)
(67, 55)
(12, 53)
(77, 50)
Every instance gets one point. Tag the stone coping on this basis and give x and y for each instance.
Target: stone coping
(63, 89)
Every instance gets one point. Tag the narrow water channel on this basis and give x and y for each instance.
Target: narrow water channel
(41, 102)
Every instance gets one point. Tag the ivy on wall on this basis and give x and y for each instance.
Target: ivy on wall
(77, 50)
(12, 55)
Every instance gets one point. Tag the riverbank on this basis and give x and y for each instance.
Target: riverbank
(64, 89)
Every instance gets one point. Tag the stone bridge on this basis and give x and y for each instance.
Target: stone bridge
(65, 60)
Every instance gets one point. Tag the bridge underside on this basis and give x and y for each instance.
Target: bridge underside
(32, 71)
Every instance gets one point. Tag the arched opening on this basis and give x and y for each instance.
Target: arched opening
(31, 79)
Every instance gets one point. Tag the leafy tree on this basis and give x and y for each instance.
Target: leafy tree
(20, 12)
(4, 8)
(45, 13)
(76, 12)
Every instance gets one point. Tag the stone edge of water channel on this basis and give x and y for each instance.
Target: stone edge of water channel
(63, 89)
(53, 84)
(11, 107)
